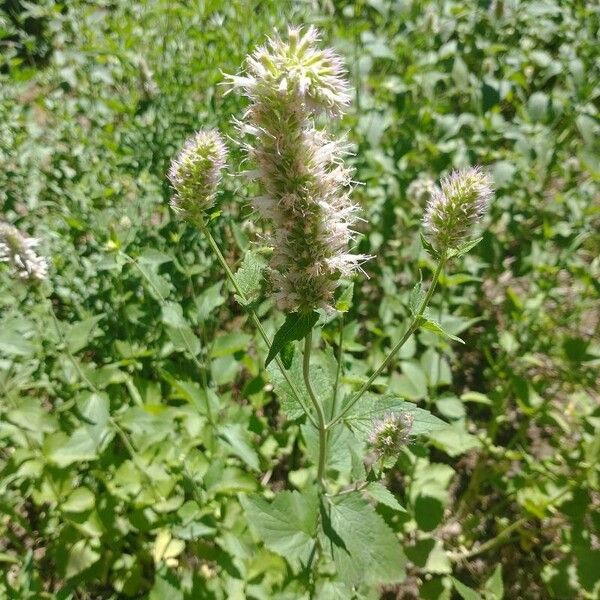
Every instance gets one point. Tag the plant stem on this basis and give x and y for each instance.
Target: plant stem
(213, 244)
(322, 427)
(339, 368)
(414, 325)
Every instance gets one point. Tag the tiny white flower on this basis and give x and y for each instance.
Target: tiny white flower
(17, 250)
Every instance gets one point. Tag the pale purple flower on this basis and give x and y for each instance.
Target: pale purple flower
(18, 251)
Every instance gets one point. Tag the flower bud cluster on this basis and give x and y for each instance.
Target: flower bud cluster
(306, 186)
(195, 173)
(17, 250)
(391, 433)
(456, 206)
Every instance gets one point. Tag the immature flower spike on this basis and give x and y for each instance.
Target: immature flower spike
(456, 206)
(391, 433)
(195, 173)
(17, 250)
(306, 186)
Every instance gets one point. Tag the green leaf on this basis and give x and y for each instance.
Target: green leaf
(295, 327)
(344, 302)
(466, 593)
(429, 247)
(237, 437)
(63, 450)
(416, 296)
(79, 500)
(249, 275)
(81, 557)
(463, 248)
(208, 300)
(430, 324)
(80, 334)
(379, 492)
(371, 407)
(494, 587)
(363, 547)
(288, 525)
(181, 335)
(454, 440)
(411, 383)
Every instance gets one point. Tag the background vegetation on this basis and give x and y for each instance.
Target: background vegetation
(114, 482)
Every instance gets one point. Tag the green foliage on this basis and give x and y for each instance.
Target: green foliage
(145, 449)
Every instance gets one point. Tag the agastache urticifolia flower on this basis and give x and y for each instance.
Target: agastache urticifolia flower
(305, 185)
(17, 250)
(456, 206)
(391, 433)
(195, 173)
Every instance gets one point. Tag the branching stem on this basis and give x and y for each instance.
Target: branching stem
(414, 325)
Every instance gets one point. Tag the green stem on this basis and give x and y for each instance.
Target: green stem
(213, 244)
(414, 325)
(339, 368)
(322, 427)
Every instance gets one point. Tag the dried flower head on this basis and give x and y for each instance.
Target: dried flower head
(456, 206)
(306, 186)
(391, 433)
(17, 250)
(195, 173)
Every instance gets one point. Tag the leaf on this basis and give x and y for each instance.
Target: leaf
(208, 300)
(179, 332)
(379, 492)
(466, 593)
(249, 275)
(464, 248)
(80, 334)
(416, 296)
(288, 525)
(79, 500)
(81, 557)
(344, 302)
(411, 383)
(494, 587)
(237, 437)
(287, 399)
(454, 440)
(363, 547)
(63, 450)
(371, 407)
(430, 324)
(429, 247)
(295, 327)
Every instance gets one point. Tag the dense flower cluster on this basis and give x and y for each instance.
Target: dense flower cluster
(391, 433)
(195, 173)
(306, 186)
(456, 206)
(17, 250)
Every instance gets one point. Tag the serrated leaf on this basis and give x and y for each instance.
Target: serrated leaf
(295, 327)
(79, 500)
(237, 437)
(429, 247)
(381, 494)
(416, 297)
(372, 406)
(363, 547)
(344, 302)
(463, 248)
(249, 275)
(287, 525)
(432, 325)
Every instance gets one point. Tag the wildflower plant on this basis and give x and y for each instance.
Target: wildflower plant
(296, 90)
(18, 251)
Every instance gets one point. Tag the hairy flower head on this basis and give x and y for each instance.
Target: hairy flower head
(296, 71)
(306, 187)
(17, 250)
(457, 206)
(391, 433)
(195, 173)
